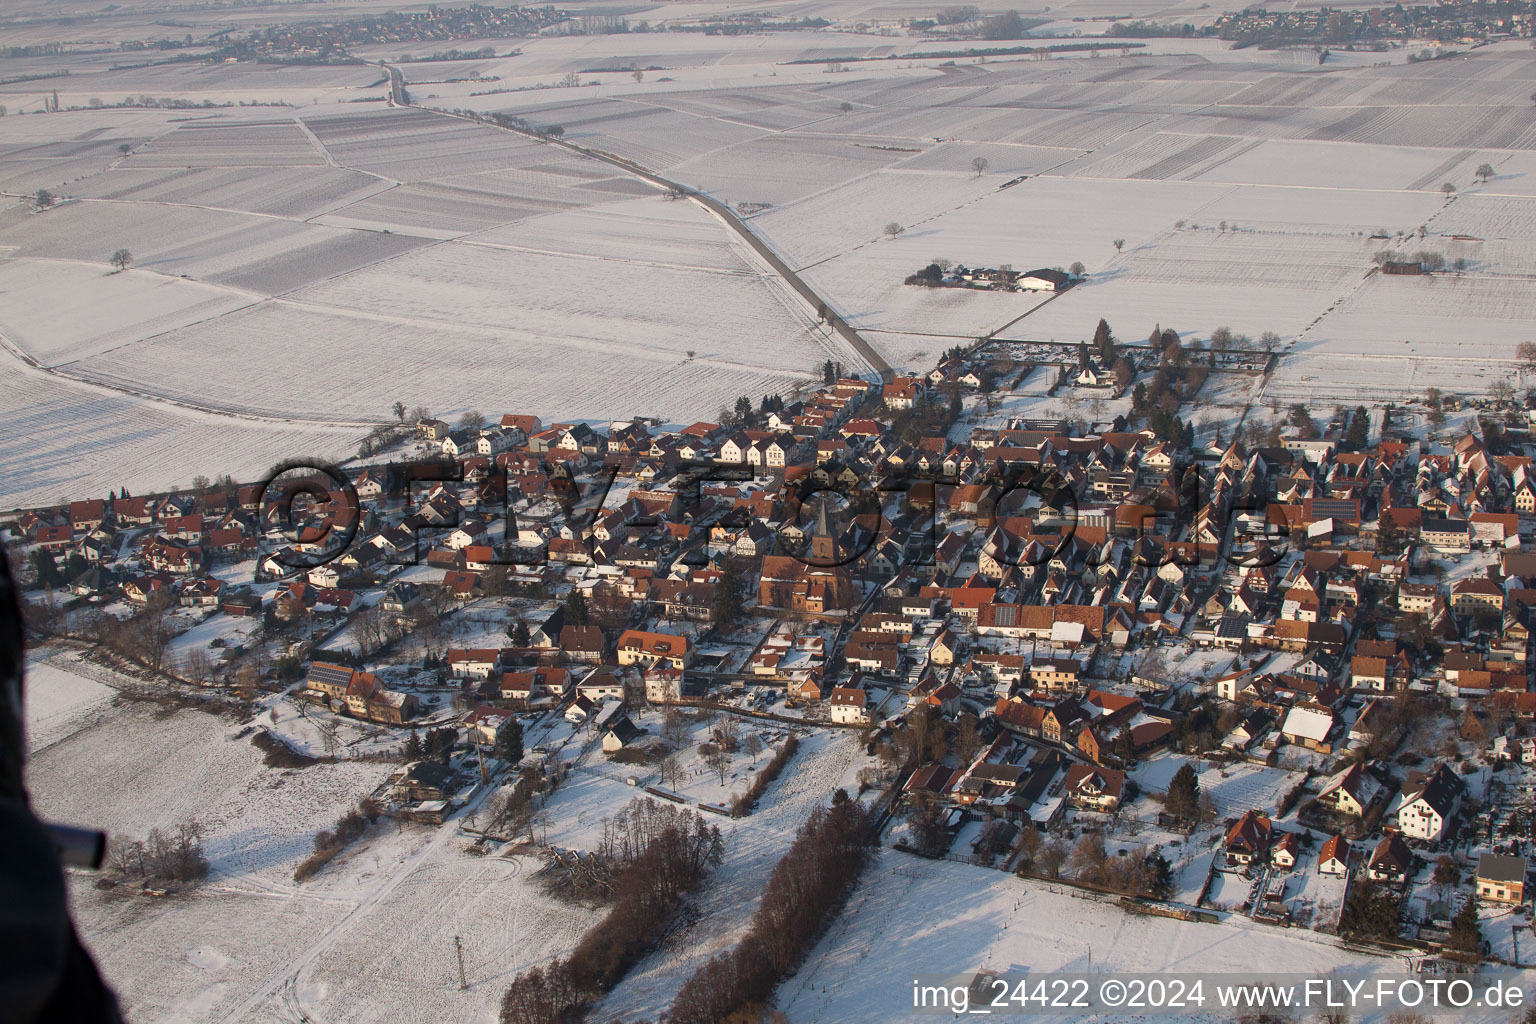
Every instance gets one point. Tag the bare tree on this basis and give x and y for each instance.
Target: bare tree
(1526, 353)
(120, 259)
(638, 75)
(672, 772)
(196, 666)
(1448, 189)
(674, 727)
(753, 745)
(1484, 172)
(472, 419)
(399, 410)
(369, 626)
(1051, 857)
(42, 199)
(979, 165)
(1119, 244)
(719, 762)
(893, 229)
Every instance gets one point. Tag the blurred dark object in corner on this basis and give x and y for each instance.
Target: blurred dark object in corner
(45, 974)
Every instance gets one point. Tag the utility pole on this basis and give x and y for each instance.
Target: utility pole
(458, 948)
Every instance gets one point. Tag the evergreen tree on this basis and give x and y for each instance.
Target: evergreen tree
(1370, 912)
(509, 742)
(46, 568)
(519, 634)
(1359, 429)
(1161, 872)
(1183, 799)
(829, 372)
(575, 608)
(1104, 343)
(727, 604)
(413, 748)
(440, 742)
(1466, 935)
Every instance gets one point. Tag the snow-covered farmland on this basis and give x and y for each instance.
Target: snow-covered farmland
(914, 917)
(66, 439)
(508, 328)
(59, 311)
(754, 844)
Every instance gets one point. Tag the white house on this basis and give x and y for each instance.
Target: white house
(1429, 804)
(850, 706)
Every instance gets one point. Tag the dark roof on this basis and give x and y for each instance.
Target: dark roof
(1501, 867)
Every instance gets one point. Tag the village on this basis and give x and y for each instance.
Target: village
(1287, 679)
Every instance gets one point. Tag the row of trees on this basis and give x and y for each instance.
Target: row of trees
(174, 856)
(741, 803)
(807, 889)
(1133, 872)
(331, 841)
(660, 853)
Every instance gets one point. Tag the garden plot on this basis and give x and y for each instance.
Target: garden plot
(66, 440)
(975, 918)
(1234, 788)
(59, 311)
(283, 192)
(265, 143)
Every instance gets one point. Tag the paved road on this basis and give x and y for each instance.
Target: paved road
(719, 209)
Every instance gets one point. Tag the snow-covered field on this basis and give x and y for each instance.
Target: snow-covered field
(425, 257)
(917, 917)
(65, 439)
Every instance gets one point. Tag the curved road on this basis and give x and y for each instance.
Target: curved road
(397, 97)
